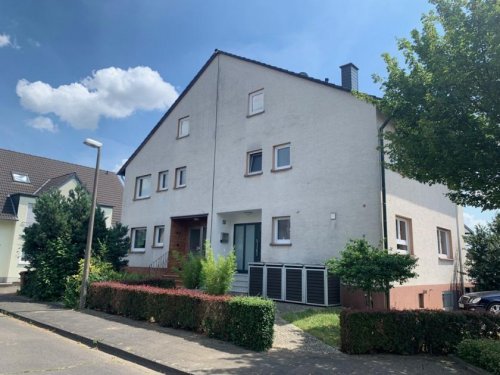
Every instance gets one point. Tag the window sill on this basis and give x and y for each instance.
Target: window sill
(255, 114)
(184, 136)
(444, 257)
(161, 190)
(142, 251)
(157, 247)
(253, 174)
(281, 169)
(280, 244)
(142, 198)
(180, 187)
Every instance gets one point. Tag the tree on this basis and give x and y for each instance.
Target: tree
(483, 255)
(371, 269)
(445, 102)
(55, 243)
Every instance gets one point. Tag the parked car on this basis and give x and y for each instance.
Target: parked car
(481, 301)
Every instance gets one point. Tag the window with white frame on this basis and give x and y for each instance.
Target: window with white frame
(180, 177)
(30, 215)
(403, 235)
(281, 230)
(256, 102)
(139, 239)
(163, 180)
(254, 162)
(444, 243)
(282, 157)
(158, 236)
(20, 177)
(143, 187)
(183, 127)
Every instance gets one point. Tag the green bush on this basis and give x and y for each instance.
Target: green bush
(217, 276)
(99, 271)
(483, 353)
(159, 283)
(189, 270)
(413, 331)
(246, 321)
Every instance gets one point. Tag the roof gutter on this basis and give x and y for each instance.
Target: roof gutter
(382, 176)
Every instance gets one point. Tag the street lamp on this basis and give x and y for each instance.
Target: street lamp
(90, 233)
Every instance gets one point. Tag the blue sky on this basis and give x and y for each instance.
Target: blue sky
(109, 69)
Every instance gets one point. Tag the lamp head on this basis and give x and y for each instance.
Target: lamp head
(92, 143)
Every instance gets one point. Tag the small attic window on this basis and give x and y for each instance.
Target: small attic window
(20, 177)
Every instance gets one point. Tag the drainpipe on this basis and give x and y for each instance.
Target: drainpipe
(460, 264)
(382, 175)
(215, 149)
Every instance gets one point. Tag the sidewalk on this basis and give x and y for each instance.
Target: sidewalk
(175, 351)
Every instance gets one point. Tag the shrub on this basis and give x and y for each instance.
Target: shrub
(246, 321)
(159, 283)
(99, 271)
(217, 276)
(189, 270)
(483, 353)
(252, 322)
(413, 331)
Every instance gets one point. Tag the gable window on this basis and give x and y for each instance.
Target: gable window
(158, 236)
(256, 102)
(138, 239)
(143, 187)
(163, 180)
(282, 157)
(20, 177)
(281, 230)
(254, 162)
(180, 177)
(183, 127)
(403, 235)
(444, 243)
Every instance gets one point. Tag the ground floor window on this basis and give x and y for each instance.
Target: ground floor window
(158, 235)
(281, 230)
(138, 239)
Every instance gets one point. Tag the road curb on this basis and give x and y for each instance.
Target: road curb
(103, 347)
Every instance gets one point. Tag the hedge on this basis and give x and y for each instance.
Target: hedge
(483, 353)
(413, 331)
(160, 283)
(245, 321)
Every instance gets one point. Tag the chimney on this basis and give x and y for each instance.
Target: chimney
(349, 76)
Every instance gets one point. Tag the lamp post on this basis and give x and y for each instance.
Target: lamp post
(90, 233)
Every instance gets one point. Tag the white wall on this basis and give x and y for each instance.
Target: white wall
(428, 208)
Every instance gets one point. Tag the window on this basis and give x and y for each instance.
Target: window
(20, 177)
(444, 243)
(143, 187)
(163, 181)
(180, 177)
(158, 239)
(421, 301)
(138, 239)
(403, 235)
(254, 162)
(256, 102)
(183, 127)
(282, 157)
(30, 216)
(281, 230)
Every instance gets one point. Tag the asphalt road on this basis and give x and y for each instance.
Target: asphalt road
(26, 349)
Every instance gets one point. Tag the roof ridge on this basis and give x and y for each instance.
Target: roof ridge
(57, 160)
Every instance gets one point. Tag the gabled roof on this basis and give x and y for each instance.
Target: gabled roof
(45, 174)
(197, 76)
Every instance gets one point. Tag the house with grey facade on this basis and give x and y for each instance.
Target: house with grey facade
(285, 169)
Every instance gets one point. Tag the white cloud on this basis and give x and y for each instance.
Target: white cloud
(43, 124)
(5, 40)
(472, 220)
(117, 166)
(110, 92)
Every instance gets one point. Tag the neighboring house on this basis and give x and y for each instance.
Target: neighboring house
(23, 178)
(286, 169)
